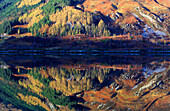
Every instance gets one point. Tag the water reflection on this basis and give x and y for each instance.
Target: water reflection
(85, 82)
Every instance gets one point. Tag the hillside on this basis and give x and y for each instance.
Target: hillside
(58, 18)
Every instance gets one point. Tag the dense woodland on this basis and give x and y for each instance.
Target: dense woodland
(57, 18)
(10, 12)
(9, 92)
(51, 18)
(25, 99)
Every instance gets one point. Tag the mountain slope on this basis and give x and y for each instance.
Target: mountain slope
(57, 18)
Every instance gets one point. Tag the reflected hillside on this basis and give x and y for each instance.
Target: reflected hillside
(84, 82)
(68, 81)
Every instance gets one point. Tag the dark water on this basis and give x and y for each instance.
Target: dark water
(84, 82)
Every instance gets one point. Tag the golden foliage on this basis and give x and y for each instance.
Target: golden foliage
(71, 85)
(27, 3)
(67, 87)
(32, 17)
(33, 101)
(33, 84)
(68, 15)
(44, 72)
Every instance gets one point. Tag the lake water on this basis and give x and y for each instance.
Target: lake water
(85, 82)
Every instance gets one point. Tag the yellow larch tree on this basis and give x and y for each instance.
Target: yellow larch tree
(27, 3)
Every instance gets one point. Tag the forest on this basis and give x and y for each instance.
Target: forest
(24, 99)
(68, 18)
(51, 18)
(9, 92)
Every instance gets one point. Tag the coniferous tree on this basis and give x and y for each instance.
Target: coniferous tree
(101, 27)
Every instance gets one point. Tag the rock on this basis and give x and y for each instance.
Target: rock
(159, 82)
(86, 102)
(113, 18)
(79, 95)
(136, 93)
(117, 14)
(112, 14)
(51, 106)
(80, 6)
(118, 87)
(161, 86)
(93, 103)
(154, 86)
(129, 109)
(160, 20)
(101, 106)
(112, 84)
(4, 66)
(108, 108)
(151, 83)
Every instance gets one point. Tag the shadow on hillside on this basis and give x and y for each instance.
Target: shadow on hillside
(114, 30)
(107, 19)
(161, 4)
(78, 43)
(19, 30)
(79, 2)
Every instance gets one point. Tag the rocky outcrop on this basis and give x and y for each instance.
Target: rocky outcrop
(151, 83)
(153, 77)
(50, 105)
